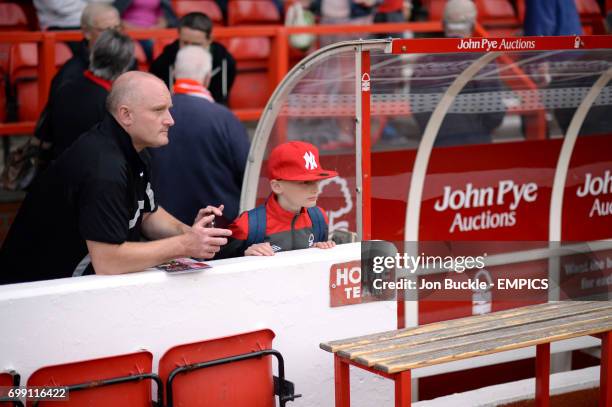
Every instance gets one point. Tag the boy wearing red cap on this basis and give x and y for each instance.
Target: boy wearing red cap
(290, 219)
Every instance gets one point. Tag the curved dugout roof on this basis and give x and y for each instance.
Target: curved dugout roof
(448, 115)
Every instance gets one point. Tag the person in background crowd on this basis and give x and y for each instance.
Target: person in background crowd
(96, 18)
(434, 73)
(139, 14)
(59, 15)
(551, 17)
(393, 11)
(290, 219)
(90, 210)
(80, 102)
(205, 160)
(357, 12)
(195, 29)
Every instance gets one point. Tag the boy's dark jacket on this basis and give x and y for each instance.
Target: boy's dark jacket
(284, 230)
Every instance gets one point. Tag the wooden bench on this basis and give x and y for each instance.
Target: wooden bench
(393, 354)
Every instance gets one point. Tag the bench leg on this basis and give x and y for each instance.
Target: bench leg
(542, 375)
(403, 396)
(605, 376)
(342, 382)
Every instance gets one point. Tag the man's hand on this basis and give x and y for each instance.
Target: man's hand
(259, 249)
(209, 210)
(202, 241)
(325, 245)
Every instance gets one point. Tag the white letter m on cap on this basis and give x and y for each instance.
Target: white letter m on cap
(311, 163)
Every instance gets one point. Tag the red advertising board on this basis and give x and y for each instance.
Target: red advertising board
(493, 192)
(587, 215)
(488, 193)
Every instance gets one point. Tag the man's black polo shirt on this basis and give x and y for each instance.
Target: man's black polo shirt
(97, 190)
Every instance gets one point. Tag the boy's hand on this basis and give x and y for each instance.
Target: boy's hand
(259, 249)
(325, 245)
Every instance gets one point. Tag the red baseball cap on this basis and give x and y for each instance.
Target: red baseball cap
(297, 161)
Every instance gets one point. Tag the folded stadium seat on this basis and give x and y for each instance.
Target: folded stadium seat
(435, 9)
(13, 17)
(252, 12)
(23, 76)
(232, 371)
(590, 16)
(210, 8)
(252, 86)
(9, 379)
(111, 381)
(498, 17)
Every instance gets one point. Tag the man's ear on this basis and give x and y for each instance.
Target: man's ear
(276, 186)
(124, 116)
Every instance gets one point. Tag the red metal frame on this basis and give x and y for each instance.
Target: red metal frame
(278, 62)
(366, 168)
(542, 398)
(451, 45)
(605, 374)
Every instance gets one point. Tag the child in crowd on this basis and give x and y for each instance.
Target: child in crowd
(290, 219)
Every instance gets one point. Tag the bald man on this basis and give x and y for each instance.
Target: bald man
(91, 210)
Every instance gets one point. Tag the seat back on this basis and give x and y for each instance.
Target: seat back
(133, 393)
(13, 17)
(23, 76)
(242, 383)
(8, 379)
(210, 8)
(250, 12)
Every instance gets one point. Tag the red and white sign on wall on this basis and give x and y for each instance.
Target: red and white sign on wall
(345, 284)
(494, 192)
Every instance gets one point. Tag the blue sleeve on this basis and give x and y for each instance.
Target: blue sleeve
(551, 17)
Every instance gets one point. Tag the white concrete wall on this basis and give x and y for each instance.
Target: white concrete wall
(75, 319)
(68, 320)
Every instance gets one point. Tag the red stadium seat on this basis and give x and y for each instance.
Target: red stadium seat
(12, 17)
(590, 16)
(23, 76)
(435, 9)
(210, 8)
(491, 11)
(232, 371)
(249, 12)
(9, 379)
(110, 381)
(251, 88)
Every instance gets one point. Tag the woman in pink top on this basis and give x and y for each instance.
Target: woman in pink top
(138, 14)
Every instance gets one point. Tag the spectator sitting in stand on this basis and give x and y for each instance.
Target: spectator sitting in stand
(153, 14)
(195, 29)
(80, 102)
(431, 77)
(551, 17)
(290, 219)
(393, 11)
(204, 162)
(96, 18)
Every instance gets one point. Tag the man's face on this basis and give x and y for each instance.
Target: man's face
(189, 36)
(149, 115)
(101, 22)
